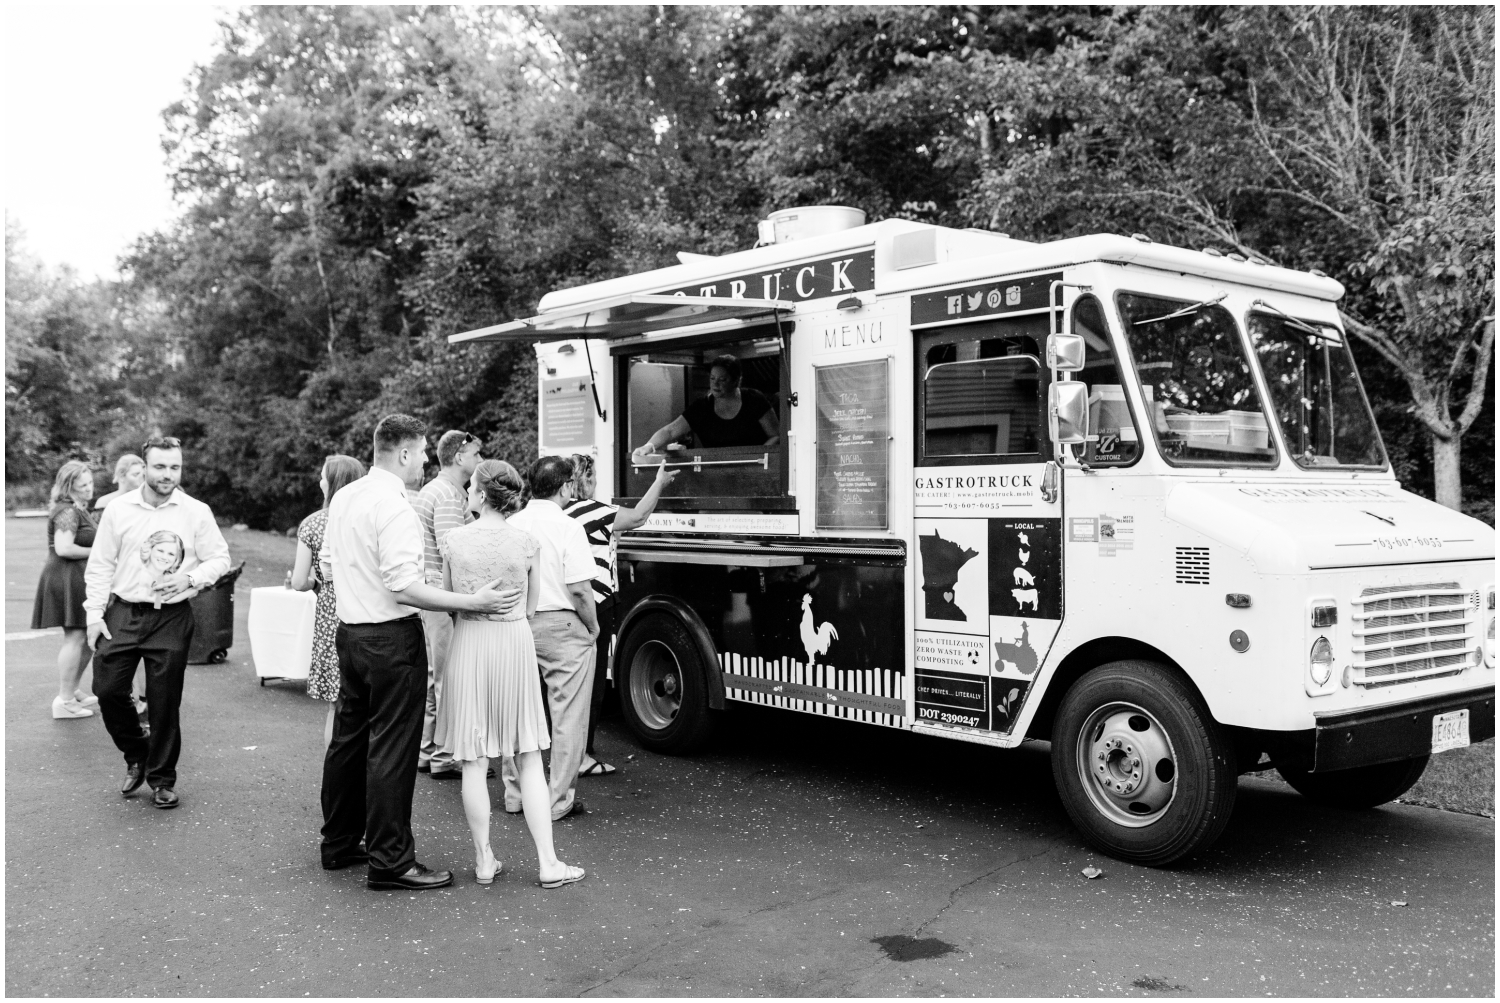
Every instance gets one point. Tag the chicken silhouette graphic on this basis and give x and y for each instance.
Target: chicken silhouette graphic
(1024, 555)
(815, 639)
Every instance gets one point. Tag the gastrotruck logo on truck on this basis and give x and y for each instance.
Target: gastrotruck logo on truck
(971, 482)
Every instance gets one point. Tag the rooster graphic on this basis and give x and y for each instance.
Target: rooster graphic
(815, 639)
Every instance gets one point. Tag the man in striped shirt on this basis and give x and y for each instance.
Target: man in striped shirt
(601, 524)
(442, 506)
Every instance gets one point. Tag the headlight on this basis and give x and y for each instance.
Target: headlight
(1320, 661)
(1489, 643)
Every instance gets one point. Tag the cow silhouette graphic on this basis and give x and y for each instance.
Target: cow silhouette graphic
(1024, 596)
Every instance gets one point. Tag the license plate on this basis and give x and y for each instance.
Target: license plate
(1450, 730)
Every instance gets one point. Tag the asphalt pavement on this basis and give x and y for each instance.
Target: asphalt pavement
(797, 857)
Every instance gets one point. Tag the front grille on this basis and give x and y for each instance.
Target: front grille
(1192, 565)
(1407, 632)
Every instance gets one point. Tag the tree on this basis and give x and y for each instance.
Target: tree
(1382, 121)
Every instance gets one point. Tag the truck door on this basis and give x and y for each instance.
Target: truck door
(988, 545)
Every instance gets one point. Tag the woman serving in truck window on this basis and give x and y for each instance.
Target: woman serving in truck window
(728, 416)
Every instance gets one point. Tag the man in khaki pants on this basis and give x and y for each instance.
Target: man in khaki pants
(442, 506)
(565, 628)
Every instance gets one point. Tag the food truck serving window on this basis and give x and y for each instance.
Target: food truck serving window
(714, 410)
(980, 392)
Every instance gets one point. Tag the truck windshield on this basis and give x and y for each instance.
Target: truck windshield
(1316, 393)
(1197, 381)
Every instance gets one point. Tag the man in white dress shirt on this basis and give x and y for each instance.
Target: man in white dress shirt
(155, 548)
(373, 548)
(564, 628)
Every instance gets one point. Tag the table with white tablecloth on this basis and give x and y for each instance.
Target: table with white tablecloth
(281, 632)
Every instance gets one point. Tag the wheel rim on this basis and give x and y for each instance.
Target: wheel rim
(1127, 764)
(655, 685)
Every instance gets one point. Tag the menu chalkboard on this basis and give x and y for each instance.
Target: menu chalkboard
(853, 445)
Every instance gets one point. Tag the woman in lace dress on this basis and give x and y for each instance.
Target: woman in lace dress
(59, 594)
(323, 673)
(492, 703)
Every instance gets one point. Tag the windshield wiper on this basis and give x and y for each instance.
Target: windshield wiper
(1183, 312)
(1321, 334)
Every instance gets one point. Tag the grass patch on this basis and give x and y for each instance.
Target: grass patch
(1458, 780)
(19, 496)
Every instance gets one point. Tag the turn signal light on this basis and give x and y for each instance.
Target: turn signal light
(1320, 661)
(1325, 616)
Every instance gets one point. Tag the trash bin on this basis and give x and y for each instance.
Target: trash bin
(213, 620)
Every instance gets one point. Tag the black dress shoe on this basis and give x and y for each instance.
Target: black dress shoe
(418, 879)
(135, 775)
(358, 855)
(165, 797)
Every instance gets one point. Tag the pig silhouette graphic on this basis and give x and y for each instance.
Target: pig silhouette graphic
(1024, 577)
(1024, 596)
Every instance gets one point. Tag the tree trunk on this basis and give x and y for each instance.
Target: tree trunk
(1446, 482)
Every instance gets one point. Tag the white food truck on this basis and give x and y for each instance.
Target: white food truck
(1120, 496)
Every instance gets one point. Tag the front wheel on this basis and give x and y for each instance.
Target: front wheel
(662, 686)
(1358, 788)
(1143, 769)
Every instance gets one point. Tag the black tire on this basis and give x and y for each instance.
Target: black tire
(662, 685)
(1357, 789)
(1152, 779)
(217, 656)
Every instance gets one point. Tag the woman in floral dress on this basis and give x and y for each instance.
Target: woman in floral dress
(323, 674)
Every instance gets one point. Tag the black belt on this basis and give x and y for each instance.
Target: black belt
(141, 607)
(380, 623)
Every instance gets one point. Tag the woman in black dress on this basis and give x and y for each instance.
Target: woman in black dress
(59, 595)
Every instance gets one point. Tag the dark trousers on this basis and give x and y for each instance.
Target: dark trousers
(370, 770)
(606, 611)
(160, 638)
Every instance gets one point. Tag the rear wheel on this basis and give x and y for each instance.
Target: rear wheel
(1358, 788)
(662, 686)
(1143, 769)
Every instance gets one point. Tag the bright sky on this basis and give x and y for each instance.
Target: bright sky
(84, 87)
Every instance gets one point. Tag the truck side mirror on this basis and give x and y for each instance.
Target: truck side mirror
(1065, 352)
(1068, 411)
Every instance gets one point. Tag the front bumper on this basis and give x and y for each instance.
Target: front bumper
(1400, 731)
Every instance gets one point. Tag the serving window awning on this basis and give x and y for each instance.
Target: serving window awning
(625, 317)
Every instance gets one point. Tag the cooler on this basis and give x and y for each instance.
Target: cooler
(281, 632)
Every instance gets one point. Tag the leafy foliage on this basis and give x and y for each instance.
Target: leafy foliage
(360, 182)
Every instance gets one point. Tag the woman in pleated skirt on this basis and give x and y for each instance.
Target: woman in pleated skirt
(492, 704)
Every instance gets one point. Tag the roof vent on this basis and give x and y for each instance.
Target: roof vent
(786, 225)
